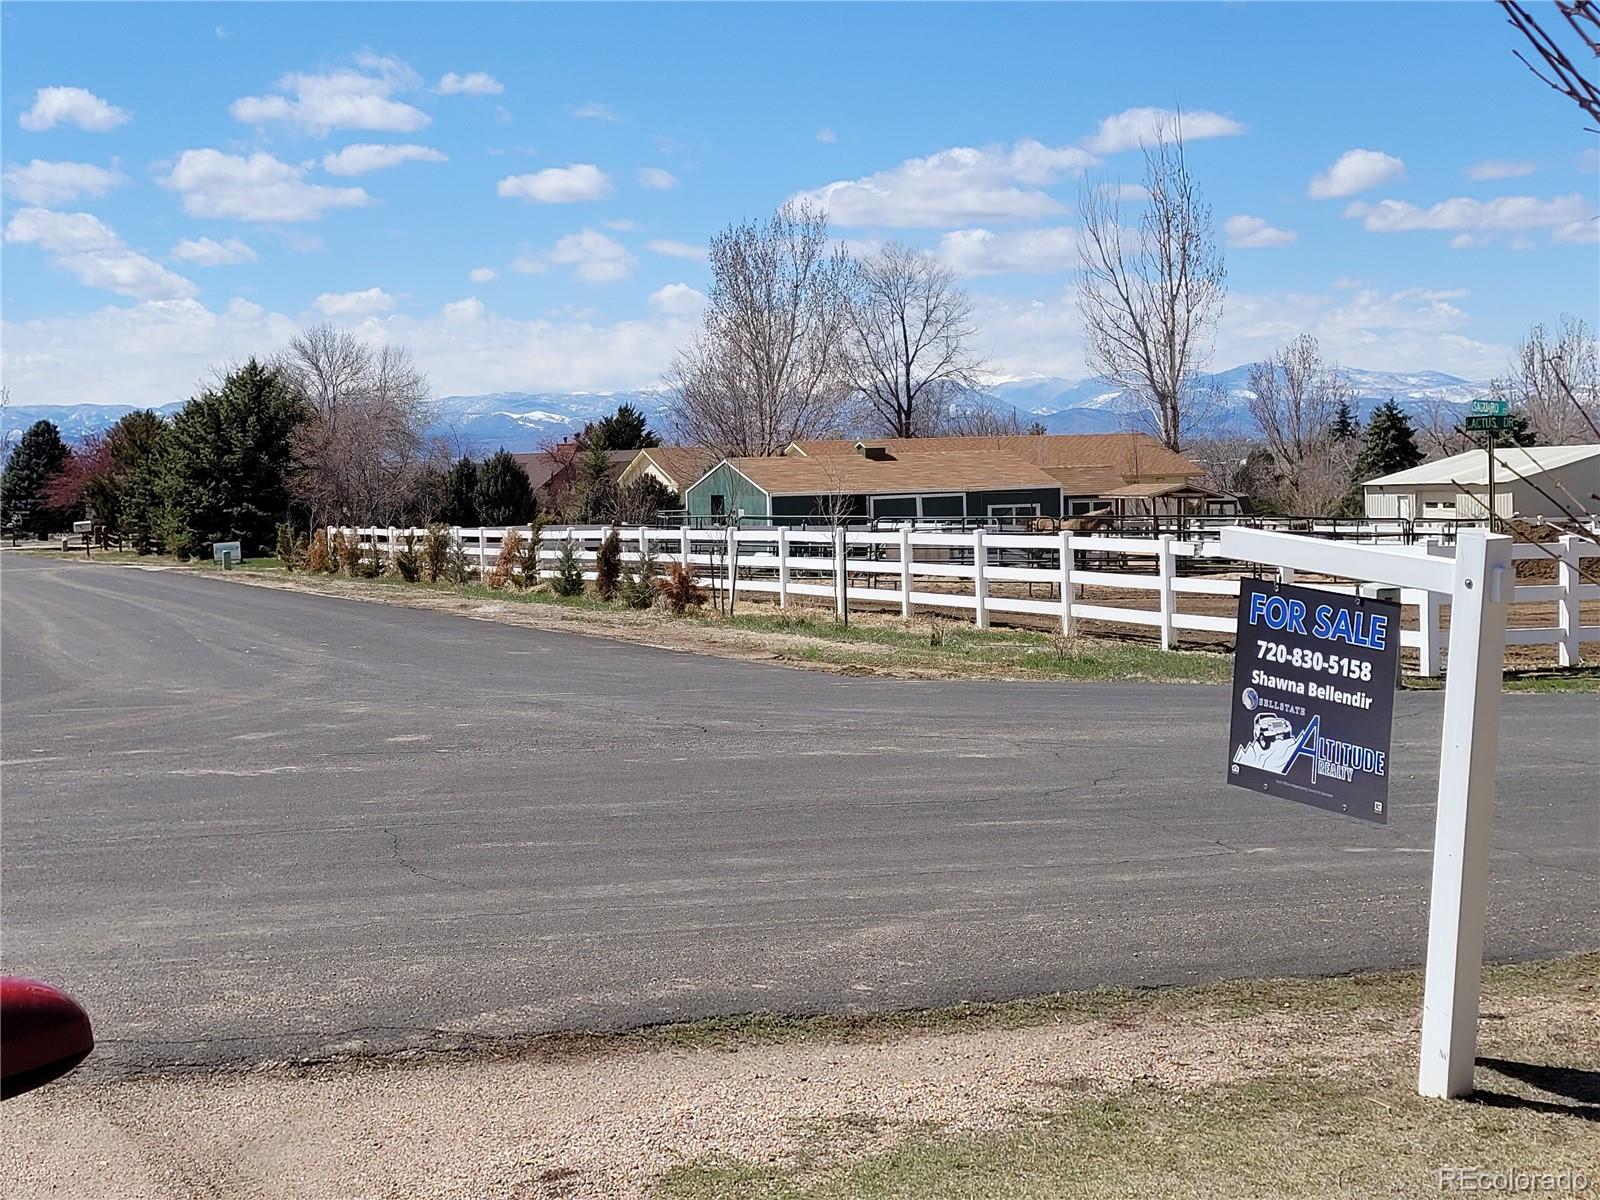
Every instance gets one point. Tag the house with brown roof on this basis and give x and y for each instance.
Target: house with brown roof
(554, 470)
(673, 467)
(963, 478)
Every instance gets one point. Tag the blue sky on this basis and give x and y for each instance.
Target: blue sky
(522, 193)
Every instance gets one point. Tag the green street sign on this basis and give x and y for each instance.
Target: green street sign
(1488, 408)
(1491, 424)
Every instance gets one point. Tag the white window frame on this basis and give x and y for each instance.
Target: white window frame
(1014, 510)
(1080, 508)
(919, 497)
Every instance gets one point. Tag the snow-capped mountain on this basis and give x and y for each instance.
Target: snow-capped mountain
(523, 421)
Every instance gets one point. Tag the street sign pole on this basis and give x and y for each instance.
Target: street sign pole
(1479, 584)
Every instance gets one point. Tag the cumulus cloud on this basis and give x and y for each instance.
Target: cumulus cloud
(368, 156)
(672, 249)
(257, 188)
(1566, 216)
(557, 185)
(1254, 233)
(463, 312)
(655, 177)
(953, 187)
(476, 83)
(354, 304)
(1501, 168)
(593, 256)
(54, 183)
(1135, 127)
(1355, 171)
(348, 98)
(595, 111)
(481, 274)
(677, 300)
(78, 106)
(204, 252)
(1026, 251)
(91, 252)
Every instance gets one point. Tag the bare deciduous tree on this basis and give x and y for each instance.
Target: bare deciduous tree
(768, 365)
(909, 324)
(1583, 18)
(1554, 381)
(1151, 297)
(1439, 429)
(1295, 397)
(361, 454)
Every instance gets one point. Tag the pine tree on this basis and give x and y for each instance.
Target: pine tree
(569, 571)
(459, 503)
(503, 496)
(1389, 445)
(624, 429)
(224, 464)
(39, 456)
(1346, 427)
(135, 443)
(595, 492)
(608, 567)
(638, 588)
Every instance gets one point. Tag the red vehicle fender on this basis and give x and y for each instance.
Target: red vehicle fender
(44, 1033)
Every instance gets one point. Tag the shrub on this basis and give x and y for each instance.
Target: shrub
(532, 566)
(318, 560)
(287, 548)
(638, 588)
(608, 566)
(435, 553)
(407, 560)
(569, 571)
(348, 549)
(507, 563)
(680, 590)
(457, 566)
(371, 566)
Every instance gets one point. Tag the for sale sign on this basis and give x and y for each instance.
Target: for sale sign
(1313, 697)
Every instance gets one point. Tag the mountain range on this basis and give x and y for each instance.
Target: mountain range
(523, 421)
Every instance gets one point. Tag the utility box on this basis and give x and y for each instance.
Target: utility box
(226, 553)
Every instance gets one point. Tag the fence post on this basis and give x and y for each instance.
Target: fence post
(1068, 588)
(905, 572)
(1571, 580)
(483, 556)
(841, 599)
(644, 552)
(783, 566)
(980, 582)
(684, 547)
(391, 543)
(1164, 567)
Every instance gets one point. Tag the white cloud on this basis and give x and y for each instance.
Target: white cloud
(476, 83)
(827, 136)
(557, 185)
(1029, 251)
(1355, 171)
(1134, 127)
(595, 111)
(674, 249)
(354, 304)
(53, 183)
(258, 188)
(593, 256)
(655, 177)
(1253, 233)
(204, 252)
(1577, 233)
(368, 156)
(954, 186)
(78, 106)
(1563, 214)
(463, 312)
(91, 252)
(1500, 168)
(481, 274)
(677, 300)
(340, 99)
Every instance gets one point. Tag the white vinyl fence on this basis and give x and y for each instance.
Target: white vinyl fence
(983, 573)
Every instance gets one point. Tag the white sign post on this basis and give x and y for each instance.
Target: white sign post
(1479, 583)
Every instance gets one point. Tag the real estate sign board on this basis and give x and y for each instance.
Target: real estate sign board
(1313, 697)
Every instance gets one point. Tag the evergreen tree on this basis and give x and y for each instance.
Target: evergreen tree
(223, 467)
(1389, 445)
(504, 496)
(595, 490)
(1346, 426)
(569, 571)
(125, 499)
(459, 503)
(608, 566)
(624, 429)
(39, 456)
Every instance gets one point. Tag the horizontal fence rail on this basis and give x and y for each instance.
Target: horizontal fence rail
(921, 569)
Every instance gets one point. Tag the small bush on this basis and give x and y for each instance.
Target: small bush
(318, 560)
(680, 590)
(287, 548)
(457, 566)
(371, 565)
(508, 563)
(348, 548)
(435, 553)
(608, 567)
(638, 588)
(407, 560)
(568, 580)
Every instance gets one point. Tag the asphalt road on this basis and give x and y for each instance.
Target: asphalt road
(243, 824)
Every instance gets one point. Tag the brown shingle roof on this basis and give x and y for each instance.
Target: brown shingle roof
(943, 470)
(1131, 455)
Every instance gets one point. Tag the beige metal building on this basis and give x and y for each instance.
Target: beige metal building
(1550, 482)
